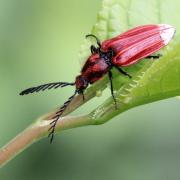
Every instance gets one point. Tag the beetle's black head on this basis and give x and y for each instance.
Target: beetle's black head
(81, 84)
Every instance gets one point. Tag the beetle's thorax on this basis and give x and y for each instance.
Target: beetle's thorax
(96, 66)
(107, 56)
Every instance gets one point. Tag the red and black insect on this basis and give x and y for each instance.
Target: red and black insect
(124, 50)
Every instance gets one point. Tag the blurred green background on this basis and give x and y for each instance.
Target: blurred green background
(39, 43)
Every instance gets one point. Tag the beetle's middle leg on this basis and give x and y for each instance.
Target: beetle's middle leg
(112, 89)
(123, 72)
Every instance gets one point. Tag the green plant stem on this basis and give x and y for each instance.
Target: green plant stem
(40, 128)
(136, 92)
(156, 81)
(78, 100)
(35, 132)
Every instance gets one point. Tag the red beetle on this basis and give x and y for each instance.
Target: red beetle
(123, 50)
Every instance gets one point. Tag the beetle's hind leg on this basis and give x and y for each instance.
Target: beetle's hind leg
(157, 56)
(123, 72)
(112, 89)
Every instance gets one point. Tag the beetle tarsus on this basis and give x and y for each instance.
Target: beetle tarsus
(154, 56)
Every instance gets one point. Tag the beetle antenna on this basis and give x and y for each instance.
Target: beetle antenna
(46, 86)
(97, 40)
(58, 115)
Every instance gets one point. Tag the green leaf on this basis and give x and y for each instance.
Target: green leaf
(155, 81)
(118, 16)
(152, 80)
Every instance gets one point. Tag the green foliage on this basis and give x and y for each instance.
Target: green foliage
(152, 80)
(155, 81)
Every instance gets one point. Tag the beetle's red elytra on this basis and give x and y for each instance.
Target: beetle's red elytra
(123, 50)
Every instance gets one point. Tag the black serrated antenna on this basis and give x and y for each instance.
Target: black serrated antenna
(57, 116)
(46, 87)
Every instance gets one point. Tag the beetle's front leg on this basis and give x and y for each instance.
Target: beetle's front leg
(83, 96)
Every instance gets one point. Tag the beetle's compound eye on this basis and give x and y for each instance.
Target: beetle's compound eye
(81, 83)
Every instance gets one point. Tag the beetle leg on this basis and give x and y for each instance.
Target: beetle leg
(154, 56)
(123, 72)
(112, 89)
(83, 96)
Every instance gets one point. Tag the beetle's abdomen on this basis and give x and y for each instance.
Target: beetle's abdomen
(94, 69)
